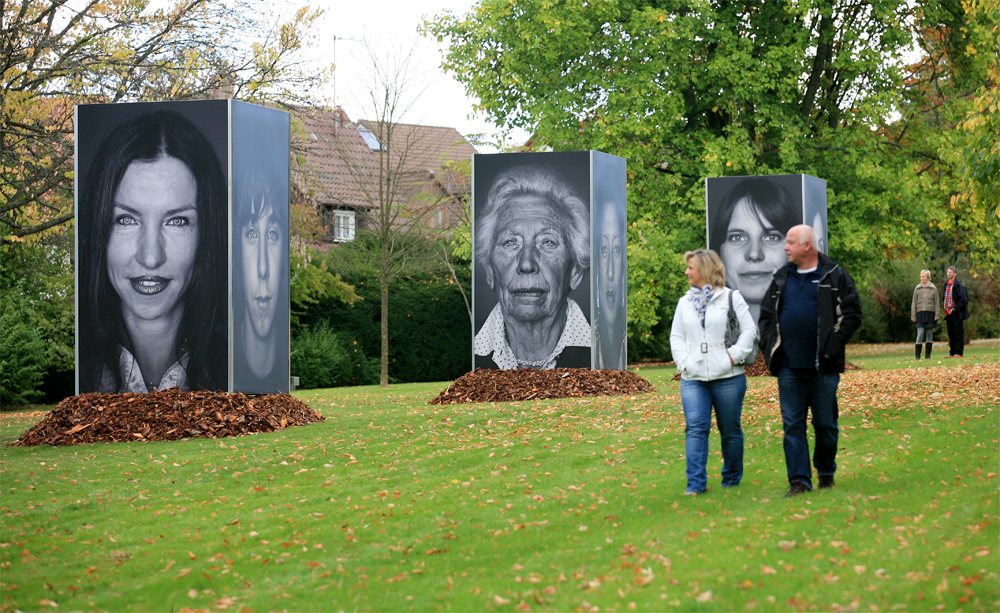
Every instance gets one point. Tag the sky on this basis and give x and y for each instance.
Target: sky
(388, 23)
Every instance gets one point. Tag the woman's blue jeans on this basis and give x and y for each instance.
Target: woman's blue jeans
(698, 398)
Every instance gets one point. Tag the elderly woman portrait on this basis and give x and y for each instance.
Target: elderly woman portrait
(152, 260)
(533, 240)
(747, 229)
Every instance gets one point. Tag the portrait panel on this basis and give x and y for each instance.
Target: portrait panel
(748, 218)
(260, 273)
(151, 246)
(609, 265)
(531, 254)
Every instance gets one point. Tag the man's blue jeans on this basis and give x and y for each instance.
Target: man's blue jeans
(698, 398)
(798, 391)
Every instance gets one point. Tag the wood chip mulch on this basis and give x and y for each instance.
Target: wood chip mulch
(165, 415)
(487, 385)
(759, 368)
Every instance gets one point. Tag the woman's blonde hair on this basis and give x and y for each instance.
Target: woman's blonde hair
(709, 265)
(925, 272)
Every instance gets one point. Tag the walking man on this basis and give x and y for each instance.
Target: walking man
(809, 313)
(956, 311)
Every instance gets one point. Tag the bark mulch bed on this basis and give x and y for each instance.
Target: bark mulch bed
(759, 368)
(166, 415)
(486, 385)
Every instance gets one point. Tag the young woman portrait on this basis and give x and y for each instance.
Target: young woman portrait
(152, 245)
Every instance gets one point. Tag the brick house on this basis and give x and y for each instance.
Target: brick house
(337, 168)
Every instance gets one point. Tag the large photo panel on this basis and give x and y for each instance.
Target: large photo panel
(152, 246)
(531, 260)
(814, 195)
(748, 218)
(609, 265)
(260, 249)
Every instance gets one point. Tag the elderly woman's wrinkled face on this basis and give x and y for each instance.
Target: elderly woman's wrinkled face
(263, 245)
(925, 278)
(531, 265)
(752, 251)
(611, 265)
(154, 237)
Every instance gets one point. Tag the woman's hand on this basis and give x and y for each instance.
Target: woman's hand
(731, 362)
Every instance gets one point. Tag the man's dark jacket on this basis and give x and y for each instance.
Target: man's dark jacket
(838, 316)
(960, 297)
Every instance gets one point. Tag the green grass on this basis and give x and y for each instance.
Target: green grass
(575, 504)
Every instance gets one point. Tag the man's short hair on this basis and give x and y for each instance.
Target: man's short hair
(953, 269)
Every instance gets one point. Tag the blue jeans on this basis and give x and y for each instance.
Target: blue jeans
(698, 398)
(798, 391)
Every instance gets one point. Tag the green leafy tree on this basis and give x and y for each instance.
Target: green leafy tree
(57, 53)
(687, 89)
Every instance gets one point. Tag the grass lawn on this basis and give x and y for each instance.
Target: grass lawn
(567, 505)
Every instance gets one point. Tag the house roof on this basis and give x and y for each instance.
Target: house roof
(340, 166)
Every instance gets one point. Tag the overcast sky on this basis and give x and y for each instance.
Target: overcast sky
(394, 22)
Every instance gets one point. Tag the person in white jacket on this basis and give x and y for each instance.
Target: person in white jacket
(710, 374)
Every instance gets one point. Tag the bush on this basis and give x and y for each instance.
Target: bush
(430, 337)
(23, 356)
(322, 358)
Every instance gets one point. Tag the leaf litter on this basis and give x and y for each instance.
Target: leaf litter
(165, 415)
(486, 385)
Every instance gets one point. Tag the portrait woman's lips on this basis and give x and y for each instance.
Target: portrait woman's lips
(756, 275)
(529, 295)
(263, 302)
(149, 285)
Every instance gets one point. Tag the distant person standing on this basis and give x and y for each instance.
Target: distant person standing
(956, 311)
(808, 315)
(925, 311)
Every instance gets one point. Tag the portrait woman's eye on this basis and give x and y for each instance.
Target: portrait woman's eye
(773, 237)
(272, 236)
(618, 250)
(548, 242)
(737, 238)
(510, 243)
(604, 250)
(250, 233)
(126, 220)
(178, 221)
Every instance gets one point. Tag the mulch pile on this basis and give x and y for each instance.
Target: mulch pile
(486, 385)
(759, 368)
(166, 415)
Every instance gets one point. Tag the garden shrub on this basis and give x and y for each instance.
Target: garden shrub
(323, 358)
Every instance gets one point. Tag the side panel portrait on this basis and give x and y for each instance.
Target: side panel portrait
(748, 218)
(260, 249)
(151, 246)
(531, 252)
(814, 194)
(610, 270)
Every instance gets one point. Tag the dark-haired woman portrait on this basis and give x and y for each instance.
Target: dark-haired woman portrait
(152, 260)
(748, 232)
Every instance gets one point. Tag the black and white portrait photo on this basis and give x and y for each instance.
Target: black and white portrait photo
(748, 218)
(610, 263)
(152, 246)
(260, 249)
(532, 255)
(814, 191)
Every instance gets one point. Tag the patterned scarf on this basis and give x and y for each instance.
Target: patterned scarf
(949, 300)
(700, 298)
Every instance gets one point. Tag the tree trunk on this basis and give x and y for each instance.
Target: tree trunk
(383, 378)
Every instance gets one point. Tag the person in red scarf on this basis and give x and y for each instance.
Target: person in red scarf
(956, 311)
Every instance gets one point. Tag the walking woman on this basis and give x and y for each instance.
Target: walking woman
(925, 310)
(710, 371)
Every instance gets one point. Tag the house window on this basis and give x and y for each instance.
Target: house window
(370, 139)
(343, 226)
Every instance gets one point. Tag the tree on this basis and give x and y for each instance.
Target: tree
(390, 172)
(686, 89)
(56, 53)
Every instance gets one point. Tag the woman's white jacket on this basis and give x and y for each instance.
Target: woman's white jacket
(700, 353)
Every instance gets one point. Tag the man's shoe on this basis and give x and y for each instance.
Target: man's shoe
(825, 482)
(796, 488)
